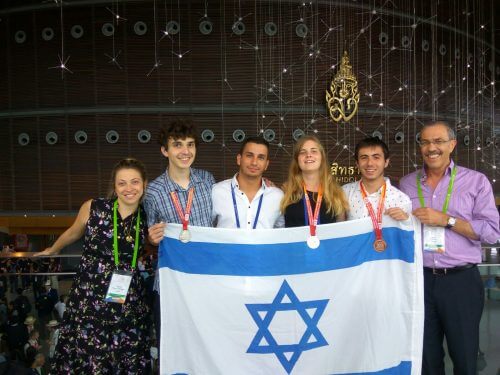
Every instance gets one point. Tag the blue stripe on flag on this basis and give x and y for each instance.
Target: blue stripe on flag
(404, 368)
(283, 258)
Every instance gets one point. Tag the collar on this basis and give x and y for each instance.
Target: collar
(194, 179)
(447, 172)
(379, 191)
(236, 185)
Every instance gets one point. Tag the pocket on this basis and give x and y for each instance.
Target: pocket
(461, 205)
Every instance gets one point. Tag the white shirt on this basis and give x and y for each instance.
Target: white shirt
(223, 213)
(60, 308)
(393, 198)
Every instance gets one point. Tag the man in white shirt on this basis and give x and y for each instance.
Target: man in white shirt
(60, 307)
(245, 201)
(372, 157)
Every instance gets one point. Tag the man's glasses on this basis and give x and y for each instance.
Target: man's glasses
(435, 142)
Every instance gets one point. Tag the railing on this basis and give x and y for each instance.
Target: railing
(489, 259)
(30, 255)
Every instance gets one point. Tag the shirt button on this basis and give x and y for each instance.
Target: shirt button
(248, 222)
(249, 206)
(433, 196)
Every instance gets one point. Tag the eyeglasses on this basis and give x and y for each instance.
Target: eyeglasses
(436, 142)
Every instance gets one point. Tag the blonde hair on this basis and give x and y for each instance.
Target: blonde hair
(333, 195)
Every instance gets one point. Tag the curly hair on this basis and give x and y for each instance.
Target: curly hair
(177, 129)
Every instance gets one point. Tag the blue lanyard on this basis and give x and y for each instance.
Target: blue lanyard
(306, 216)
(236, 209)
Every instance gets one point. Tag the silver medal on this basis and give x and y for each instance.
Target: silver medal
(313, 242)
(185, 236)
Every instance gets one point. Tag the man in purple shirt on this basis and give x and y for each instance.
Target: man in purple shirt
(457, 209)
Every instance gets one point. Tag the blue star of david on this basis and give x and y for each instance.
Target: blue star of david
(265, 343)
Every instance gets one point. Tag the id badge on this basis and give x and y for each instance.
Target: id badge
(118, 287)
(433, 239)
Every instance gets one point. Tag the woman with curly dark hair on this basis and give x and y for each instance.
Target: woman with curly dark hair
(106, 324)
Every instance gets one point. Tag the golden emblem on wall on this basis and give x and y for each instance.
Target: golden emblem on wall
(343, 96)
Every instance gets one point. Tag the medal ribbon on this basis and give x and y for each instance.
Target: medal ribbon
(183, 215)
(115, 235)
(448, 193)
(312, 220)
(376, 220)
(235, 206)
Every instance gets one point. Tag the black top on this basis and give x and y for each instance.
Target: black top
(295, 216)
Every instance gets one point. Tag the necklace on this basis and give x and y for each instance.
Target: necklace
(128, 236)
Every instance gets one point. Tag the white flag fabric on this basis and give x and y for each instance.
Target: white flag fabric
(239, 301)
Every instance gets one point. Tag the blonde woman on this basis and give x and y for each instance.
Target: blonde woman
(309, 174)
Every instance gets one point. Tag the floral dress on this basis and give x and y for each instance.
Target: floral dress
(98, 337)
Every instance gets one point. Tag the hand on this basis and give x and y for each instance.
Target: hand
(397, 213)
(431, 216)
(47, 252)
(155, 233)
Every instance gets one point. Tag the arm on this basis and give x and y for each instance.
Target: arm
(397, 213)
(155, 233)
(481, 224)
(485, 219)
(214, 206)
(464, 228)
(156, 226)
(211, 178)
(402, 212)
(73, 233)
(434, 217)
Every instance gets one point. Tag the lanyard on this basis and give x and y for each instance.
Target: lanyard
(115, 235)
(311, 220)
(183, 215)
(376, 220)
(448, 194)
(306, 219)
(236, 209)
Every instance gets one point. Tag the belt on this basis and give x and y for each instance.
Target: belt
(446, 271)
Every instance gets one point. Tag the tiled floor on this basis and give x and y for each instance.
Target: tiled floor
(489, 341)
(490, 338)
(490, 321)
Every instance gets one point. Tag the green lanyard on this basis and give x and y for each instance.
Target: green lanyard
(448, 194)
(115, 235)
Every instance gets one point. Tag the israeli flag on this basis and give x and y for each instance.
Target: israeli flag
(239, 301)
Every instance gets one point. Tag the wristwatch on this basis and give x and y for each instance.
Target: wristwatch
(451, 222)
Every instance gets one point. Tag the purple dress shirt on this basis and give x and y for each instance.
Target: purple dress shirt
(471, 200)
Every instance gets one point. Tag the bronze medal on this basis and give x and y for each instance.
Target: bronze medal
(380, 245)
